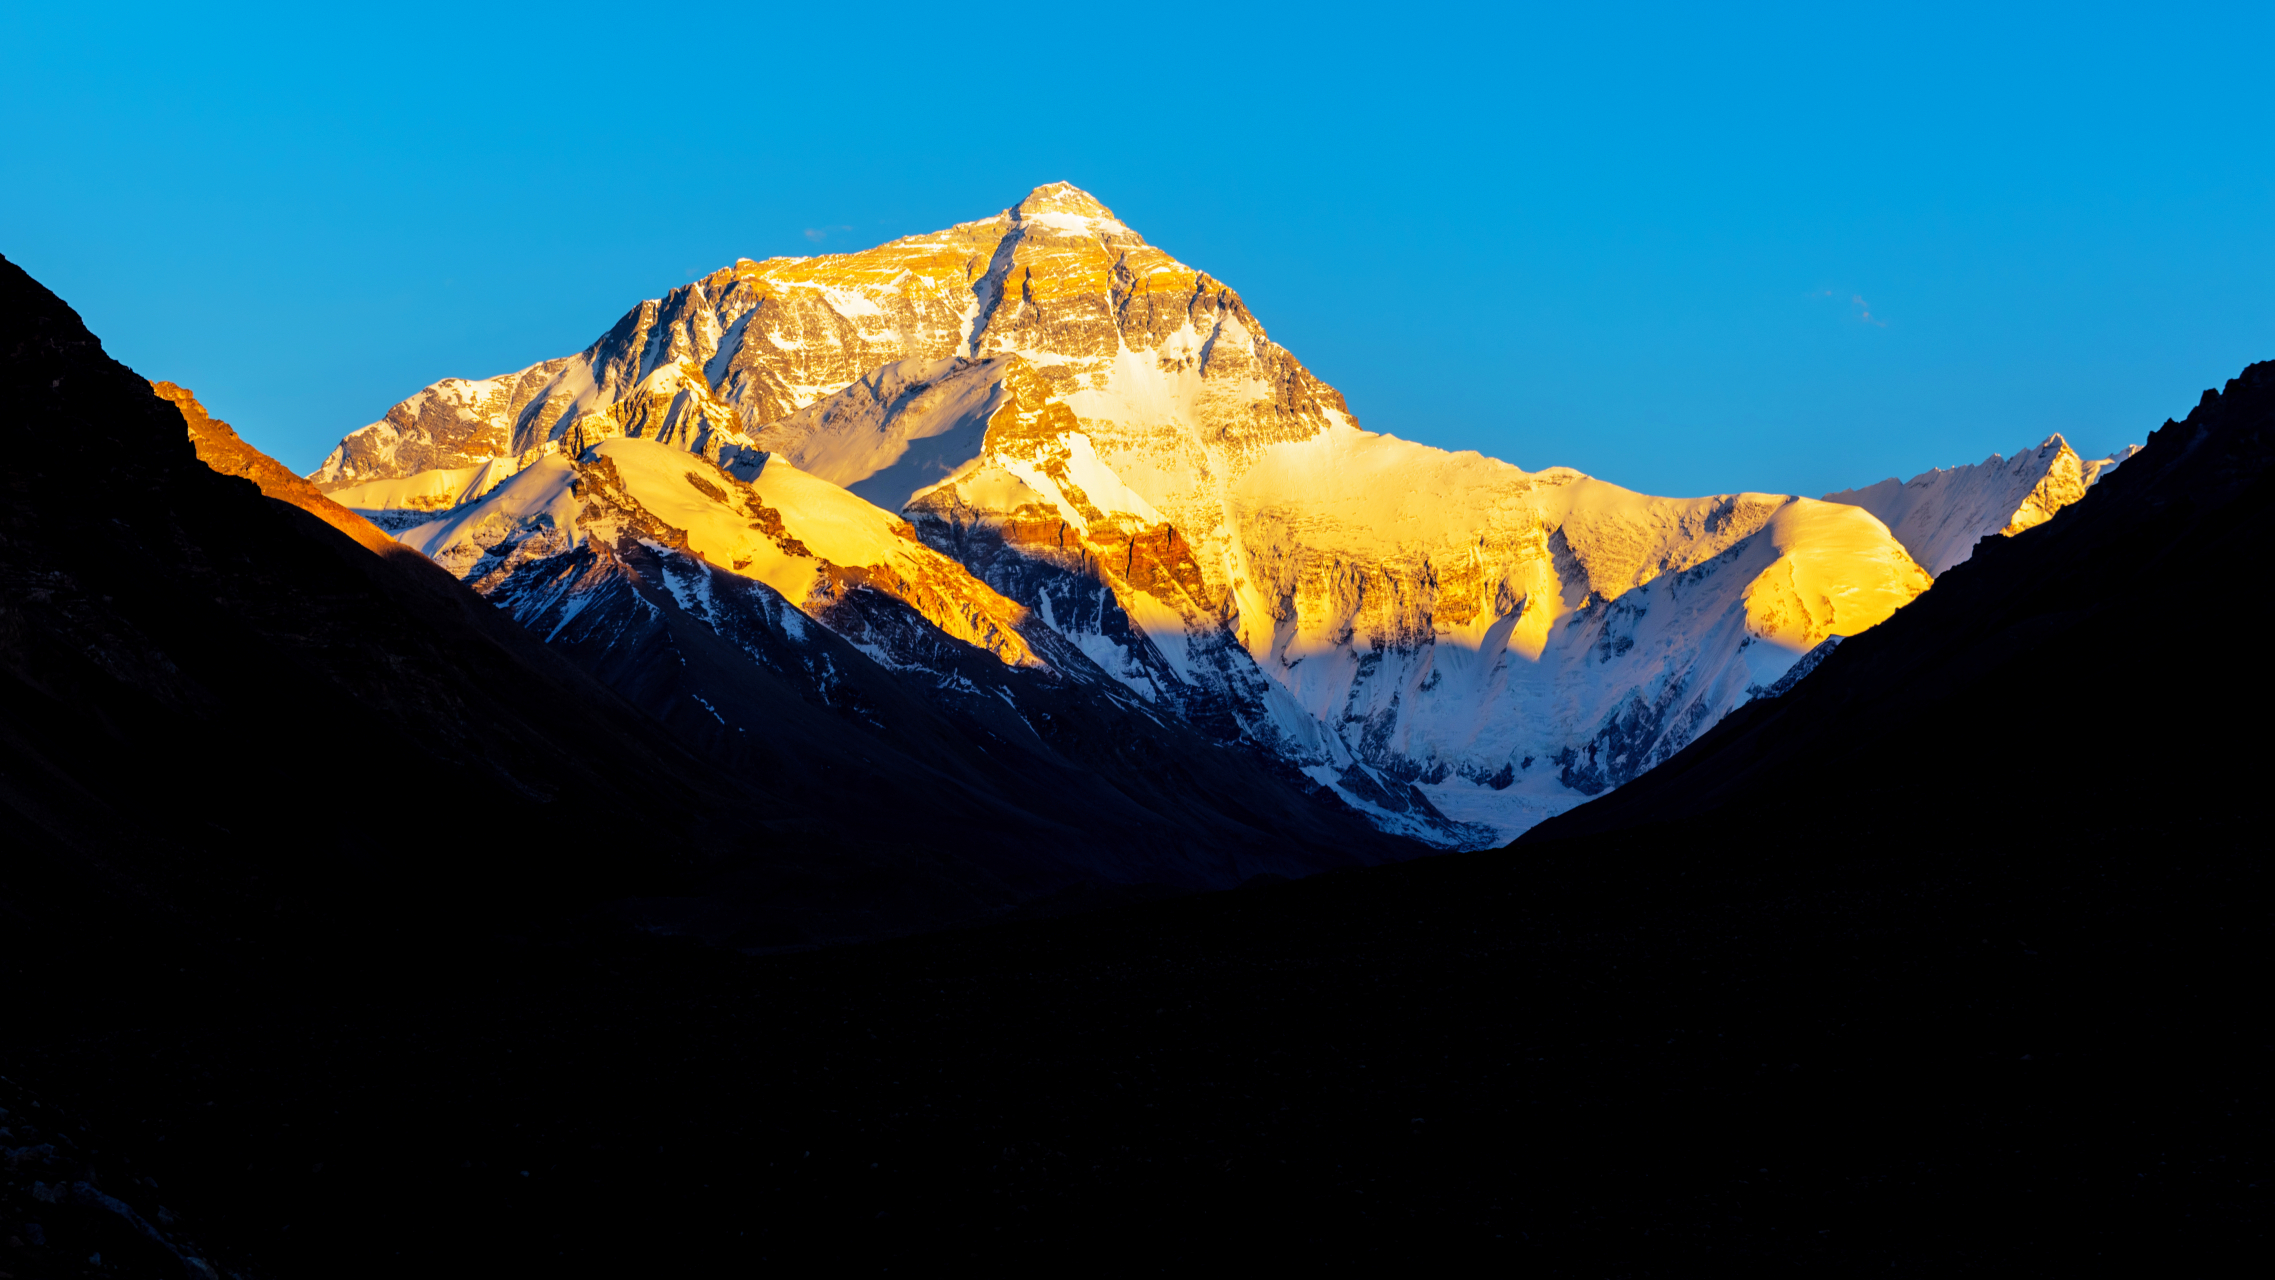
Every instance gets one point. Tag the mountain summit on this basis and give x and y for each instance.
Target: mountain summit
(1063, 198)
(1109, 440)
(1940, 515)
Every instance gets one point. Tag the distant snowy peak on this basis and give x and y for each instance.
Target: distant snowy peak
(2096, 468)
(1065, 205)
(671, 406)
(1940, 515)
(456, 424)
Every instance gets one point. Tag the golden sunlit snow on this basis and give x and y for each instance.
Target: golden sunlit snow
(1066, 416)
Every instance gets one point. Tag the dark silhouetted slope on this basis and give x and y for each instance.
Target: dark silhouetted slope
(218, 709)
(220, 447)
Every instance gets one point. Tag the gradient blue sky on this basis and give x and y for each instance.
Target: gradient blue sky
(1630, 241)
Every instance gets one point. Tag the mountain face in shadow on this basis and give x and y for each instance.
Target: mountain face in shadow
(218, 709)
(2093, 671)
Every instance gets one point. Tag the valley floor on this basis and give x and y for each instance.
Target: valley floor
(1604, 1058)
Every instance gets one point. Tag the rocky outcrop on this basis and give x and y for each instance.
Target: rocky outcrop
(454, 424)
(60, 1216)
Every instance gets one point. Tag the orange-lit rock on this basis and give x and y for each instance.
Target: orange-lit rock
(219, 447)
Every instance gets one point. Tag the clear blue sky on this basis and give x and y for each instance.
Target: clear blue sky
(1629, 241)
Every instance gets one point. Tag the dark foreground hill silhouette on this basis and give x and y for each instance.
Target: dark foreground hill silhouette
(1944, 1009)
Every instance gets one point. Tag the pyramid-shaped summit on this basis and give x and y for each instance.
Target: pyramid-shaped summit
(1063, 197)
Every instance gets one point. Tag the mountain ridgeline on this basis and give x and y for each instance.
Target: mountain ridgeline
(1089, 460)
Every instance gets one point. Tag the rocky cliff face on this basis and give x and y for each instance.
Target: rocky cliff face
(1108, 441)
(1056, 276)
(452, 425)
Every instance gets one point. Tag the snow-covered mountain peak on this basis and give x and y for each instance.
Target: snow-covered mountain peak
(1940, 515)
(2095, 468)
(1105, 440)
(1117, 328)
(1065, 205)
